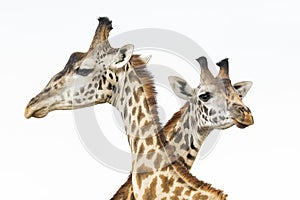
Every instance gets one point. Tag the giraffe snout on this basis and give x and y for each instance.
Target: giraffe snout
(27, 113)
(35, 108)
(242, 116)
(33, 112)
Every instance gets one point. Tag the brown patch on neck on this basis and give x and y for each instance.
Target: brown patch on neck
(150, 192)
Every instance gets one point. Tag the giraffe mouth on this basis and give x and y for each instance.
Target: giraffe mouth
(40, 113)
(240, 124)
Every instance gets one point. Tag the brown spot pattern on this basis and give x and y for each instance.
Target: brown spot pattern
(199, 196)
(157, 161)
(177, 192)
(150, 192)
(150, 154)
(140, 116)
(166, 183)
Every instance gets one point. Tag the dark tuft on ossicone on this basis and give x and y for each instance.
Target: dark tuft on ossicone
(104, 21)
(223, 63)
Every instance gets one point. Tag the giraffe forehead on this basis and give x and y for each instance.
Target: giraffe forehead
(98, 64)
(218, 86)
(103, 50)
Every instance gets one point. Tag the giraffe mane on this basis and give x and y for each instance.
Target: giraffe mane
(196, 183)
(137, 62)
(150, 92)
(147, 81)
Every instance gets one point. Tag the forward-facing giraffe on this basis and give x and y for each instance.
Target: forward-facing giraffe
(38, 113)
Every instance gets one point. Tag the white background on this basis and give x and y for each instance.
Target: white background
(44, 158)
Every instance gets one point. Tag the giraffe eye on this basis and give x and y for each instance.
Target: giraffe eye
(205, 97)
(83, 72)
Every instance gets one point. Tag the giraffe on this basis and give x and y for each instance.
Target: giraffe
(34, 108)
(206, 109)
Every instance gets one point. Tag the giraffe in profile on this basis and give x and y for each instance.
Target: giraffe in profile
(105, 73)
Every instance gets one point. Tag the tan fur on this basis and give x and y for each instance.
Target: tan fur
(150, 193)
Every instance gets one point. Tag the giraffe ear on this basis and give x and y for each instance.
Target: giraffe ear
(123, 56)
(181, 88)
(243, 87)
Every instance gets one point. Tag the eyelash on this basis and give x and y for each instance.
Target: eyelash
(205, 97)
(83, 72)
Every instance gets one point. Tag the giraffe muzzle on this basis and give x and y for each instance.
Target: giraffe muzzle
(37, 113)
(243, 117)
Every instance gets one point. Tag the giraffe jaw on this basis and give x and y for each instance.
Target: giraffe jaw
(32, 111)
(225, 126)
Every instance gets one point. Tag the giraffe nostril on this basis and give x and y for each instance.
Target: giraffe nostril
(33, 101)
(239, 110)
(245, 110)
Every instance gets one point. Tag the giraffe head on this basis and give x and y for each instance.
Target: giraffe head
(216, 103)
(86, 78)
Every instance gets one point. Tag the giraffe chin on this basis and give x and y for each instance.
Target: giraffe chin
(225, 126)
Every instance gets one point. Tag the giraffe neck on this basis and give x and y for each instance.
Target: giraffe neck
(185, 135)
(135, 101)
